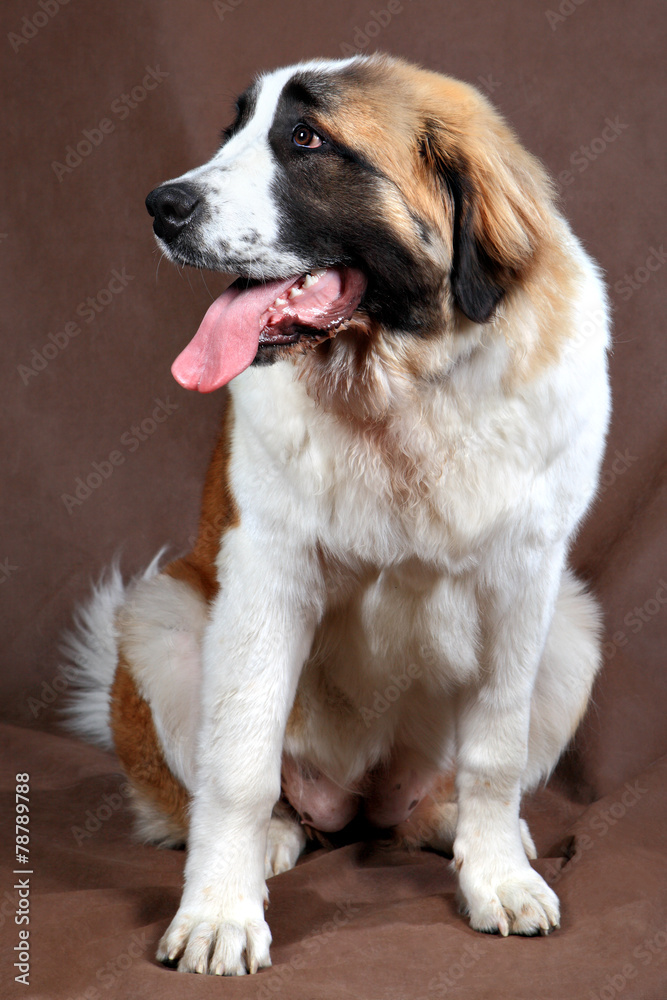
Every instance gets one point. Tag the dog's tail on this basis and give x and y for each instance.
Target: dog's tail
(90, 656)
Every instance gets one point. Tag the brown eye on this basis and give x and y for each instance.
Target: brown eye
(304, 136)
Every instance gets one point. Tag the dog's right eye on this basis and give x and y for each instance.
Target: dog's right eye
(304, 136)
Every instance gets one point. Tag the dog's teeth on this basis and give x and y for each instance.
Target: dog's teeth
(280, 302)
(319, 273)
(309, 280)
(294, 293)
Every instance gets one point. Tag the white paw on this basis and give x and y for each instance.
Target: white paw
(511, 900)
(285, 842)
(206, 944)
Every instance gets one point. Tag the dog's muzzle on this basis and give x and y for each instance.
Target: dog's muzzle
(173, 207)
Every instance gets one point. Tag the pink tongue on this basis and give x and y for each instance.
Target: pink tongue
(227, 340)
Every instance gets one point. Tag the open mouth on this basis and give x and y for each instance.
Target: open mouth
(251, 317)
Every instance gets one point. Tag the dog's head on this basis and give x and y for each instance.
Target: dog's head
(347, 194)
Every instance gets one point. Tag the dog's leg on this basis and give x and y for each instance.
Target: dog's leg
(562, 689)
(433, 822)
(260, 633)
(154, 714)
(499, 889)
(154, 701)
(572, 657)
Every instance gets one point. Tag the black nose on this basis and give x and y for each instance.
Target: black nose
(172, 206)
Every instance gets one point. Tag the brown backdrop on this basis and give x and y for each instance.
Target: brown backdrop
(102, 102)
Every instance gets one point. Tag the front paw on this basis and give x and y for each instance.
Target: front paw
(506, 898)
(206, 942)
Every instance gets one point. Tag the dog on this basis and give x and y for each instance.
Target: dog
(377, 615)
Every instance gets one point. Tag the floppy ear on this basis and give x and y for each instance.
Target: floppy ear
(498, 197)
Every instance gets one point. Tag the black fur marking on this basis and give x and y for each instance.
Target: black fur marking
(331, 212)
(331, 202)
(245, 108)
(308, 90)
(479, 281)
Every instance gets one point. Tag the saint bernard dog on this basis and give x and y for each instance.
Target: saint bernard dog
(377, 616)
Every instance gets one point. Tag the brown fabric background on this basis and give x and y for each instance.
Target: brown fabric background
(366, 920)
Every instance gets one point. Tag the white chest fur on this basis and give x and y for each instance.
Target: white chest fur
(465, 472)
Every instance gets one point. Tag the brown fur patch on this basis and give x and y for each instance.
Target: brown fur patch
(139, 750)
(296, 722)
(132, 723)
(219, 513)
(548, 296)
(417, 127)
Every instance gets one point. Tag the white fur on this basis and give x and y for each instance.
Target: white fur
(236, 183)
(471, 586)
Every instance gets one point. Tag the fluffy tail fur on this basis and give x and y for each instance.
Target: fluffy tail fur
(90, 656)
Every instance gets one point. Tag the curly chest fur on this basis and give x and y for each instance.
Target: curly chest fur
(432, 477)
